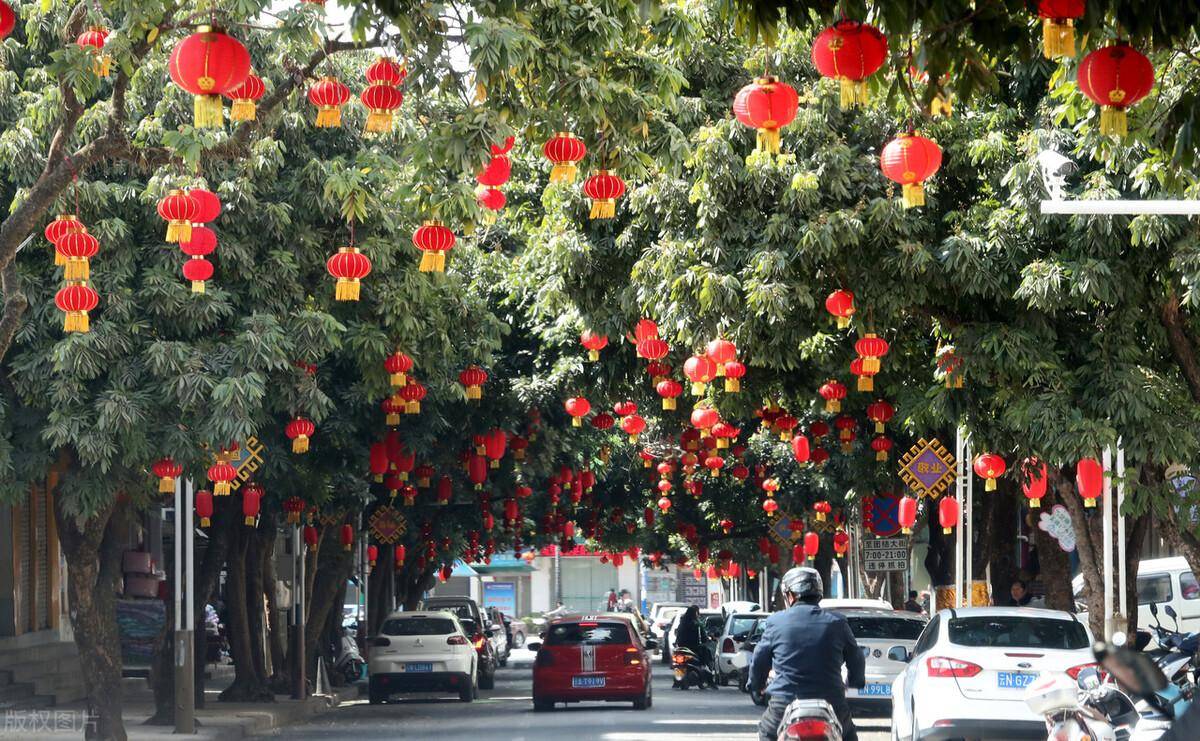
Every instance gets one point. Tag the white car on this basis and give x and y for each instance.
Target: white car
(737, 628)
(1162, 582)
(711, 621)
(425, 651)
(967, 675)
(877, 633)
(837, 603)
(661, 614)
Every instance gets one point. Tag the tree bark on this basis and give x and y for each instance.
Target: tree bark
(1054, 562)
(256, 603)
(329, 581)
(92, 548)
(246, 686)
(276, 625)
(1182, 345)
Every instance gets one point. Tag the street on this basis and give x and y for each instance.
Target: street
(506, 713)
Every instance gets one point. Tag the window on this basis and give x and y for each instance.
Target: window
(1188, 586)
(462, 610)
(928, 637)
(741, 624)
(886, 628)
(1154, 588)
(1006, 631)
(418, 626)
(592, 634)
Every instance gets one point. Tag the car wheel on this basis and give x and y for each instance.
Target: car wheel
(487, 681)
(542, 706)
(642, 702)
(468, 693)
(504, 662)
(666, 653)
(722, 679)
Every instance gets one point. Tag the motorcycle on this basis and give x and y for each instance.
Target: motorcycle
(691, 671)
(1176, 652)
(741, 662)
(349, 662)
(1081, 708)
(809, 720)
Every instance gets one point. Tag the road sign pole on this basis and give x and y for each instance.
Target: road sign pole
(1123, 597)
(1107, 529)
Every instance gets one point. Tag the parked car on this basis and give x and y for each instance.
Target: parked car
(469, 615)
(422, 651)
(661, 615)
(591, 658)
(834, 603)
(712, 622)
(737, 629)
(1162, 582)
(966, 676)
(499, 634)
(741, 606)
(878, 632)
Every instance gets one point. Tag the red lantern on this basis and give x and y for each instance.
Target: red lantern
(73, 250)
(594, 343)
(714, 463)
(820, 456)
(386, 71)
(424, 475)
(865, 377)
(564, 151)
(989, 467)
(204, 507)
(625, 408)
(178, 209)
(800, 449)
(833, 392)
(398, 365)
(633, 425)
(399, 553)
(412, 394)
(603, 421)
(871, 349)
(841, 542)
(948, 514)
(767, 105)
(840, 304)
(209, 64)
(434, 240)
(310, 536)
(294, 507)
(664, 503)
(700, 370)
(880, 412)
(669, 390)
(1115, 77)
(372, 555)
(167, 470)
(850, 52)
(577, 407)
(910, 160)
(62, 225)
(724, 432)
(818, 429)
(1058, 26)
(76, 300)
(445, 490)
(328, 95)
(734, 372)
(381, 102)
(604, 189)
(496, 173)
(721, 352)
(8, 19)
(812, 545)
(494, 443)
(347, 537)
(299, 430)
(1089, 479)
(252, 495)
(769, 506)
(245, 98)
(94, 39)
(379, 461)
(881, 445)
(221, 474)
(349, 266)
(704, 417)
(197, 270)
(1033, 481)
(472, 380)
(906, 514)
(822, 510)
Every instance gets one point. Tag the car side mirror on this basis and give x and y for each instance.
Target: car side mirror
(651, 644)
(533, 645)
(899, 653)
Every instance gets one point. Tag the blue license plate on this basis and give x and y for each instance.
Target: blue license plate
(1014, 680)
(419, 667)
(876, 689)
(587, 682)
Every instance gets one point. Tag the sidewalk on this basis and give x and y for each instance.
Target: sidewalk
(221, 721)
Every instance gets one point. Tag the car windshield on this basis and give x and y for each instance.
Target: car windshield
(885, 628)
(462, 610)
(592, 634)
(418, 626)
(1013, 631)
(741, 624)
(667, 614)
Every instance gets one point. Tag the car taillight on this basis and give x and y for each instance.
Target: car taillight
(940, 666)
(1074, 671)
(479, 642)
(456, 641)
(727, 646)
(678, 659)
(809, 729)
(633, 656)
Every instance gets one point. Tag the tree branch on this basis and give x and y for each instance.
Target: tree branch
(1182, 345)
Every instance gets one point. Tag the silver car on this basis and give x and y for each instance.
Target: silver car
(737, 628)
(877, 632)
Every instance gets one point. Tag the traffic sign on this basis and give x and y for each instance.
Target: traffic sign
(885, 554)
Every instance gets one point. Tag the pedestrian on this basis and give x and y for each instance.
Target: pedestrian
(806, 647)
(610, 602)
(625, 602)
(1019, 594)
(912, 605)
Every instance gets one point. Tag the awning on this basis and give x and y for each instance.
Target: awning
(461, 569)
(506, 563)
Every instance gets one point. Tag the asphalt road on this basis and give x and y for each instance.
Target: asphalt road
(506, 714)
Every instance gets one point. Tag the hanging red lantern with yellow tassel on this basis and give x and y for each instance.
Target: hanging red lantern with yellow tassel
(94, 39)
(397, 365)
(766, 105)
(75, 250)
(910, 160)
(329, 95)
(209, 64)
(434, 240)
(386, 71)
(472, 380)
(382, 102)
(604, 189)
(349, 266)
(245, 98)
(76, 300)
(1058, 26)
(850, 52)
(166, 470)
(299, 430)
(1115, 78)
(564, 151)
(178, 209)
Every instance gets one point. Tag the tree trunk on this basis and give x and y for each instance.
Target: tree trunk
(329, 579)
(1054, 562)
(256, 603)
(92, 548)
(246, 686)
(939, 560)
(276, 625)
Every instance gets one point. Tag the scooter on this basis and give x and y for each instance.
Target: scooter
(690, 671)
(1082, 708)
(349, 662)
(1160, 702)
(741, 662)
(809, 720)
(1176, 652)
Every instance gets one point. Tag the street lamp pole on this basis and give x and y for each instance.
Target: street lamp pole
(185, 610)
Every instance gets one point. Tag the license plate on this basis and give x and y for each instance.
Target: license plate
(876, 689)
(587, 682)
(419, 667)
(1014, 680)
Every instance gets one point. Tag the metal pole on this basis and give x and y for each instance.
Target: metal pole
(959, 491)
(299, 660)
(185, 697)
(558, 595)
(969, 536)
(1108, 543)
(1121, 565)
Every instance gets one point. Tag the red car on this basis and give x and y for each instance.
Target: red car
(591, 658)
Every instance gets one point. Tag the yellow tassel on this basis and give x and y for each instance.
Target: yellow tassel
(204, 522)
(947, 530)
(698, 389)
(768, 141)
(853, 92)
(668, 404)
(881, 455)
(576, 422)
(722, 442)
(878, 428)
(166, 485)
(329, 117)
(208, 112)
(1035, 503)
(605, 453)
(402, 475)
(398, 379)
(843, 322)
(412, 407)
(391, 420)
(871, 364)
(243, 110)
(76, 269)
(250, 521)
(495, 464)
(958, 382)
(846, 446)
(379, 479)
(564, 172)
(346, 289)
(179, 231)
(441, 262)
(833, 405)
(221, 489)
(1113, 122)
(59, 258)
(1058, 39)
(1089, 502)
(593, 355)
(865, 383)
(519, 455)
(300, 444)
(76, 321)
(379, 122)
(989, 485)
(941, 105)
(197, 286)
(428, 262)
(913, 195)
(784, 435)
(102, 65)
(604, 208)
(633, 439)
(409, 500)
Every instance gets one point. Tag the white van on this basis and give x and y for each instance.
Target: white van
(1161, 581)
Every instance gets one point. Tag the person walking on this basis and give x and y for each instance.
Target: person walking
(806, 646)
(912, 605)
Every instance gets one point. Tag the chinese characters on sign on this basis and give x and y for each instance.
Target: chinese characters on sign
(885, 554)
(927, 468)
(387, 524)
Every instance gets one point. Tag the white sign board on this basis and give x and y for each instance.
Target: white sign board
(885, 554)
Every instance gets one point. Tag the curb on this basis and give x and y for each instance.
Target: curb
(268, 719)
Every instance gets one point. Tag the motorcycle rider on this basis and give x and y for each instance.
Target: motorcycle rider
(806, 646)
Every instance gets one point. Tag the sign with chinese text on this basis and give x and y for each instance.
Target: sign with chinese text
(927, 468)
(885, 554)
(501, 595)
